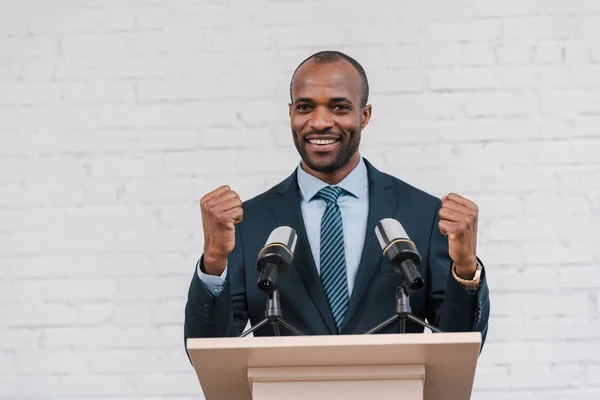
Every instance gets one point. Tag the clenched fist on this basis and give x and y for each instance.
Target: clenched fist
(221, 210)
(458, 221)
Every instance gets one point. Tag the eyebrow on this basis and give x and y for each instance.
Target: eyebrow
(340, 100)
(334, 100)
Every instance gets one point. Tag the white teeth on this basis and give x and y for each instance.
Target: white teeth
(322, 141)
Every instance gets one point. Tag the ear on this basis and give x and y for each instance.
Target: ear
(290, 109)
(365, 116)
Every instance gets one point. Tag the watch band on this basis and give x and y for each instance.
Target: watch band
(472, 284)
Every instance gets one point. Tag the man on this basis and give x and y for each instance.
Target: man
(339, 282)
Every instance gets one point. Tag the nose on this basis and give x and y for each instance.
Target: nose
(320, 119)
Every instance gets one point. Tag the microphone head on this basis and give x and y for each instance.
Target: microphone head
(285, 236)
(387, 230)
(276, 256)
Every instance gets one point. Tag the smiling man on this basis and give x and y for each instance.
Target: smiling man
(339, 283)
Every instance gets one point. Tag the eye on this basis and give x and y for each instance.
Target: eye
(303, 107)
(341, 108)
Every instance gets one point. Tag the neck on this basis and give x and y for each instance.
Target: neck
(335, 177)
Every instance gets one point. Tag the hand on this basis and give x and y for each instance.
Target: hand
(221, 210)
(458, 221)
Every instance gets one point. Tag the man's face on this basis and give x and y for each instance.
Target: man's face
(325, 114)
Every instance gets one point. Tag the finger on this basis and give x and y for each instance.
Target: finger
(451, 229)
(207, 198)
(235, 215)
(458, 208)
(461, 200)
(218, 191)
(228, 205)
(221, 198)
(447, 227)
(444, 198)
(448, 214)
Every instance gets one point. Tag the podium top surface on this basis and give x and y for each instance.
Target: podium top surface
(450, 359)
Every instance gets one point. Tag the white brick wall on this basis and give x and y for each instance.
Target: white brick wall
(117, 116)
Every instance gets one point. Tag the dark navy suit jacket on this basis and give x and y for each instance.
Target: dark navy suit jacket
(442, 300)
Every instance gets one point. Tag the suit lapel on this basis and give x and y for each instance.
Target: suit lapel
(382, 204)
(286, 209)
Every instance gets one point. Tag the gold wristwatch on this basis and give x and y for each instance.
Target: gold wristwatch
(472, 284)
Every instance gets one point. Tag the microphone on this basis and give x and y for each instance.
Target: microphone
(400, 250)
(276, 256)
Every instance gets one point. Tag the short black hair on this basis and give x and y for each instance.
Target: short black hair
(331, 56)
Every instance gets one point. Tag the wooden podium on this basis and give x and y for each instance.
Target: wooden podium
(343, 367)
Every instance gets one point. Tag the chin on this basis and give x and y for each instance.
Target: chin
(326, 166)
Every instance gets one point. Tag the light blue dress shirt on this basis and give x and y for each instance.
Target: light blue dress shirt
(354, 206)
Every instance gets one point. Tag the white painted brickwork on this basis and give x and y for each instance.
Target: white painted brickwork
(116, 116)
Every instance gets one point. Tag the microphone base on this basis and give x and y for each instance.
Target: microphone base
(403, 313)
(273, 316)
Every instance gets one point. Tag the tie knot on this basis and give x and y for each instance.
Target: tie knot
(330, 194)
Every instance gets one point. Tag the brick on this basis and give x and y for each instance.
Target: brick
(82, 93)
(167, 384)
(167, 312)
(593, 374)
(520, 278)
(80, 290)
(513, 52)
(563, 304)
(399, 81)
(447, 54)
(146, 288)
(94, 314)
(32, 362)
(505, 353)
(555, 353)
(572, 393)
(548, 53)
(99, 385)
(564, 7)
(94, 45)
(20, 292)
(502, 395)
(131, 314)
(125, 361)
(478, 54)
(542, 376)
(29, 94)
(499, 104)
(579, 277)
(28, 46)
(587, 328)
(555, 77)
(506, 317)
(123, 165)
(36, 316)
(463, 30)
(471, 78)
(541, 204)
(538, 27)
(29, 386)
(16, 339)
(490, 378)
(585, 75)
(510, 8)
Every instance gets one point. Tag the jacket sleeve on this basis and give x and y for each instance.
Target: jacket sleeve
(225, 315)
(450, 306)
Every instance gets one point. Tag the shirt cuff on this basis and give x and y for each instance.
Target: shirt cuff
(214, 284)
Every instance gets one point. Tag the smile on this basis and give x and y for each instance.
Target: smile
(322, 142)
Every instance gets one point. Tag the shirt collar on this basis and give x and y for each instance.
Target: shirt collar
(356, 182)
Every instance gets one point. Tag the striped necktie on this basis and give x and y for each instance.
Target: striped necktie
(333, 260)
